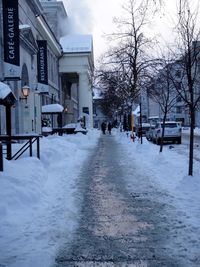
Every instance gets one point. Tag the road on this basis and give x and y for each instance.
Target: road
(119, 227)
(185, 139)
(185, 147)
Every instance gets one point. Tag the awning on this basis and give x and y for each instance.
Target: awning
(7, 98)
(136, 112)
(52, 109)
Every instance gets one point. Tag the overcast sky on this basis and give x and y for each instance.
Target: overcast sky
(93, 17)
(96, 17)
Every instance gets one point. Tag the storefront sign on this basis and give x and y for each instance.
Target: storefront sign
(42, 66)
(11, 39)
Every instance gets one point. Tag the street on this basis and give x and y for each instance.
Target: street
(185, 146)
(118, 227)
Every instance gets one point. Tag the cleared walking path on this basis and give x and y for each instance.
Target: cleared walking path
(118, 227)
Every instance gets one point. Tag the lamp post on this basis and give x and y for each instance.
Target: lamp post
(25, 92)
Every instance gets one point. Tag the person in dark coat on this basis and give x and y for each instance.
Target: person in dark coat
(103, 127)
(109, 127)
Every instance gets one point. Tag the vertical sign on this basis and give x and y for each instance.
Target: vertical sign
(42, 66)
(11, 39)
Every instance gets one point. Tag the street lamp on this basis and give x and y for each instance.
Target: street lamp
(25, 92)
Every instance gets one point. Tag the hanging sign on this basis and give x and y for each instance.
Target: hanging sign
(42, 66)
(11, 39)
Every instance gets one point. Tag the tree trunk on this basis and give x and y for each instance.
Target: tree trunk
(192, 113)
(163, 132)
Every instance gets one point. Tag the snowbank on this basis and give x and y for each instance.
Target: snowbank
(39, 200)
(168, 170)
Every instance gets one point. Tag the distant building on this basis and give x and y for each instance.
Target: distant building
(76, 67)
(99, 116)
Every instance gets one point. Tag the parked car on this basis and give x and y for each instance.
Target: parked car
(172, 132)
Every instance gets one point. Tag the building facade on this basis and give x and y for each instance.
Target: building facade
(40, 27)
(76, 67)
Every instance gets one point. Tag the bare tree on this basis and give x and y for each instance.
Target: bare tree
(187, 67)
(163, 92)
(129, 56)
(112, 86)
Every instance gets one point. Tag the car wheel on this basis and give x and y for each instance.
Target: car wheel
(179, 140)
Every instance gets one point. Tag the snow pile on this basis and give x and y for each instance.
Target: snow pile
(186, 130)
(4, 90)
(52, 108)
(167, 170)
(39, 200)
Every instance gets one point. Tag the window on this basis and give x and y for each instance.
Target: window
(178, 109)
(170, 125)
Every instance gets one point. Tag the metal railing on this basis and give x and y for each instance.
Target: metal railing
(9, 140)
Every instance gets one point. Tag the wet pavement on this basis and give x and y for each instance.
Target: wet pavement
(121, 227)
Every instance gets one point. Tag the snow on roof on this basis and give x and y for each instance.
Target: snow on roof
(52, 108)
(136, 112)
(24, 26)
(74, 43)
(98, 94)
(4, 90)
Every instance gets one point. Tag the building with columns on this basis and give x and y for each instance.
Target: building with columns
(76, 67)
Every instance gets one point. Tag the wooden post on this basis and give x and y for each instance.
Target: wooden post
(8, 132)
(1, 157)
(31, 148)
(38, 147)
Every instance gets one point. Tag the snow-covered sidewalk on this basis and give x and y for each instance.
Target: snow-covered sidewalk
(39, 199)
(169, 171)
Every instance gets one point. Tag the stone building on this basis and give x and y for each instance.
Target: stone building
(40, 28)
(75, 66)
(33, 28)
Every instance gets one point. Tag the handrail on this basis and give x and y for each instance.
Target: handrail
(24, 148)
(31, 139)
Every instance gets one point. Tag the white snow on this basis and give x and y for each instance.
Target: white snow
(79, 128)
(46, 129)
(24, 26)
(74, 43)
(39, 200)
(52, 108)
(136, 112)
(70, 126)
(4, 90)
(97, 93)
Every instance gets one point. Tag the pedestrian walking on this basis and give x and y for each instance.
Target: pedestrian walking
(103, 127)
(109, 127)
